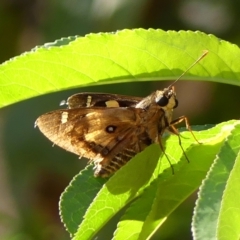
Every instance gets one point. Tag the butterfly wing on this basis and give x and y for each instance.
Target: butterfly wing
(88, 99)
(107, 136)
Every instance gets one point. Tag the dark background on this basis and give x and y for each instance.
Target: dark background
(33, 173)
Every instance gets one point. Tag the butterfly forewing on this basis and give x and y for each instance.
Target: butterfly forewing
(107, 136)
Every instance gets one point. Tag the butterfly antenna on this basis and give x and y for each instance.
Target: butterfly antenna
(205, 52)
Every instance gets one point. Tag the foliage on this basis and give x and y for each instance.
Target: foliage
(146, 184)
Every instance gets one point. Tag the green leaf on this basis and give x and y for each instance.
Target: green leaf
(120, 189)
(217, 212)
(128, 55)
(78, 195)
(229, 216)
(173, 191)
(148, 179)
(132, 222)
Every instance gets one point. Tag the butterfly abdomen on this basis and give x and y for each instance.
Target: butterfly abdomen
(116, 163)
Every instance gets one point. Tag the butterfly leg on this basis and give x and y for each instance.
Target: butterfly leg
(173, 130)
(179, 120)
(163, 150)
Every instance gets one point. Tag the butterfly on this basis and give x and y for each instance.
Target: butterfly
(110, 129)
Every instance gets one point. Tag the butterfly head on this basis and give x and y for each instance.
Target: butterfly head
(166, 98)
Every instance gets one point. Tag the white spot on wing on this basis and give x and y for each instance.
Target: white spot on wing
(89, 100)
(64, 118)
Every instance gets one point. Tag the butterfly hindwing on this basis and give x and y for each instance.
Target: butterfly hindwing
(101, 100)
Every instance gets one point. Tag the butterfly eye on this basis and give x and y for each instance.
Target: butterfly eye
(176, 103)
(111, 129)
(163, 101)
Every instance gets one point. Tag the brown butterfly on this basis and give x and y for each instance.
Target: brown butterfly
(110, 129)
